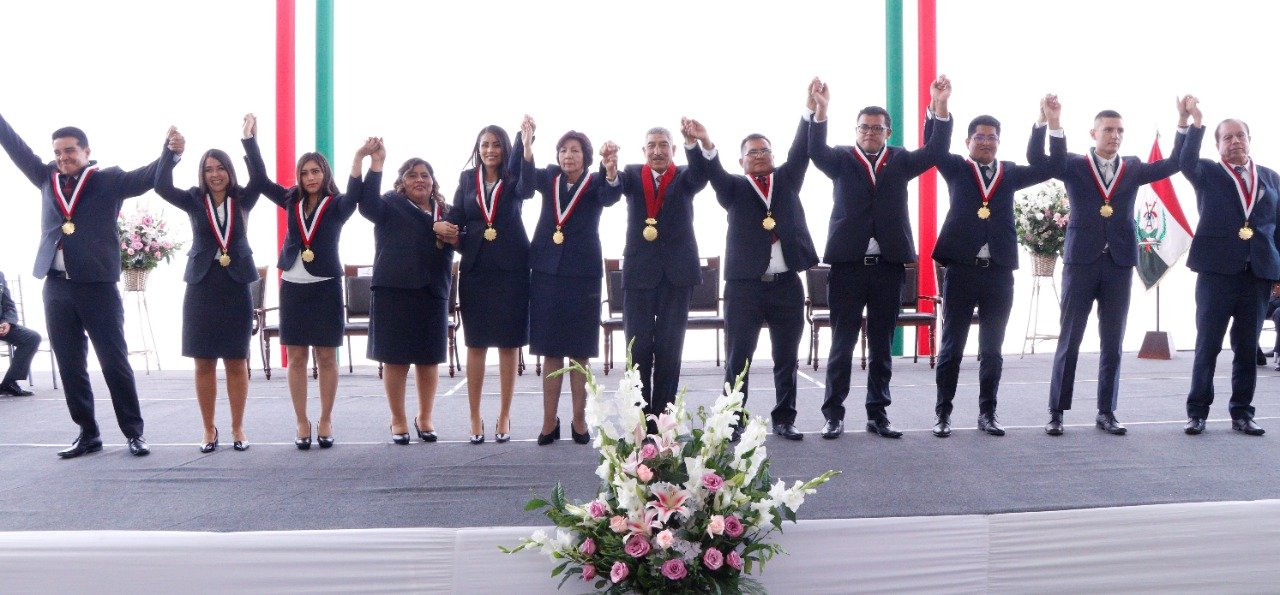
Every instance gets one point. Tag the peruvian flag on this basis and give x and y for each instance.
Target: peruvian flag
(1163, 233)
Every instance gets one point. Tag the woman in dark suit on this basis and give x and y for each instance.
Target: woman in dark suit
(409, 318)
(565, 258)
(311, 291)
(217, 312)
(493, 288)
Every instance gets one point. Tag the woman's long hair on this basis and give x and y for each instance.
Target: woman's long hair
(233, 190)
(327, 187)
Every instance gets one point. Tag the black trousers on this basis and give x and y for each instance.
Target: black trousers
(1240, 299)
(25, 344)
(72, 311)
(751, 303)
(1109, 284)
(853, 287)
(655, 320)
(990, 290)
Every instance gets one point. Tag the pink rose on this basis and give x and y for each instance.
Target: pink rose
(637, 546)
(588, 547)
(618, 572)
(648, 451)
(665, 538)
(588, 572)
(598, 509)
(674, 569)
(618, 524)
(734, 560)
(712, 482)
(715, 525)
(644, 473)
(713, 559)
(157, 255)
(732, 526)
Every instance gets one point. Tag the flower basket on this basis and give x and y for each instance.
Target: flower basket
(1040, 217)
(680, 509)
(136, 279)
(144, 243)
(1043, 265)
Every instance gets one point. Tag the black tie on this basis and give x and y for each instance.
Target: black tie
(986, 173)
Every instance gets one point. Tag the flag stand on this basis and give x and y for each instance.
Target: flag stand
(1156, 344)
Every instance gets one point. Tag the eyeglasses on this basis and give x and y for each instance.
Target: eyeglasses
(986, 138)
(866, 129)
(759, 152)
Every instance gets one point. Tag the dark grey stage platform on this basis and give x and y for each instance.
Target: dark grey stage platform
(364, 481)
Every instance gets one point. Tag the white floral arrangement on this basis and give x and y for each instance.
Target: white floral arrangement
(681, 509)
(144, 240)
(1041, 215)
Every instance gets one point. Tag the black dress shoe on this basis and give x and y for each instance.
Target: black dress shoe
(787, 431)
(583, 438)
(81, 446)
(1054, 427)
(942, 429)
(138, 447)
(502, 437)
(1195, 425)
(987, 423)
(303, 443)
(1107, 421)
(882, 427)
(425, 436)
(13, 390)
(833, 429)
(209, 447)
(325, 441)
(1248, 426)
(550, 437)
(401, 439)
(478, 438)
(241, 445)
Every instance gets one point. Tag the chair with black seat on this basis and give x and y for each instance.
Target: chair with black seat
(817, 310)
(358, 294)
(611, 322)
(705, 312)
(910, 314)
(455, 322)
(258, 295)
(19, 302)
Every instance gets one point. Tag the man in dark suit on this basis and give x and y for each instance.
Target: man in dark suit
(766, 248)
(79, 258)
(1234, 254)
(25, 343)
(978, 245)
(868, 242)
(1098, 259)
(660, 262)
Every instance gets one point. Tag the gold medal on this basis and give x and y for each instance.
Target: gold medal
(224, 260)
(650, 230)
(1246, 232)
(984, 212)
(490, 233)
(558, 237)
(308, 255)
(1106, 210)
(68, 228)
(768, 222)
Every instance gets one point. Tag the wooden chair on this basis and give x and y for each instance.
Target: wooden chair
(705, 312)
(910, 314)
(817, 310)
(358, 305)
(611, 322)
(19, 303)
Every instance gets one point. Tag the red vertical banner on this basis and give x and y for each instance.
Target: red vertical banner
(928, 207)
(285, 117)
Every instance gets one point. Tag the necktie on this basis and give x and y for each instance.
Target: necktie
(986, 173)
(1106, 172)
(68, 186)
(763, 183)
(1248, 184)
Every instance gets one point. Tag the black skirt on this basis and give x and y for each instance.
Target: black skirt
(217, 317)
(311, 313)
(495, 308)
(407, 326)
(564, 316)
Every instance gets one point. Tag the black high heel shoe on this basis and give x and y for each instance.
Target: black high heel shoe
(427, 436)
(582, 438)
(209, 447)
(501, 437)
(548, 438)
(478, 438)
(400, 439)
(304, 443)
(241, 445)
(324, 441)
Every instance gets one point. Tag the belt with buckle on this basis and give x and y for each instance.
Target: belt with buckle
(56, 274)
(773, 277)
(982, 262)
(870, 260)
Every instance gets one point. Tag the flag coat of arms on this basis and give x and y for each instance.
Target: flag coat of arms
(1163, 233)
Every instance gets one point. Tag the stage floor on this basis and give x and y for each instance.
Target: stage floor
(366, 482)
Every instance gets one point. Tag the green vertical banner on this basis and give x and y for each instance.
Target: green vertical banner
(324, 78)
(893, 93)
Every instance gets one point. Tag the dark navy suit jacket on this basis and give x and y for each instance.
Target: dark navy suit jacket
(1217, 247)
(405, 251)
(328, 231)
(1088, 231)
(92, 253)
(963, 233)
(204, 244)
(580, 255)
(748, 245)
(674, 254)
(510, 250)
(862, 205)
(8, 309)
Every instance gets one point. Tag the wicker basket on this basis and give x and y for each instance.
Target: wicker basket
(1043, 265)
(135, 279)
